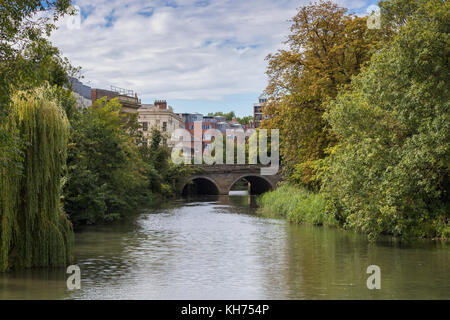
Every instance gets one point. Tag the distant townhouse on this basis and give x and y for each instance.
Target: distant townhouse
(127, 98)
(223, 126)
(210, 122)
(258, 110)
(189, 119)
(161, 117)
(81, 92)
(220, 118)
(206, 122)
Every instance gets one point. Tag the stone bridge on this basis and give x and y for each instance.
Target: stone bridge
(219, 179)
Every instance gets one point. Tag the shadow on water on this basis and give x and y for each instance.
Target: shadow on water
(238, 202)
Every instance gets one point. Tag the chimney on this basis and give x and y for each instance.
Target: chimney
(93, 95)
(161, 104)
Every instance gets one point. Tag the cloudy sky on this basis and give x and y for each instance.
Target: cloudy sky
(199, 55)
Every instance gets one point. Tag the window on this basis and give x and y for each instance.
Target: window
(164, 127)
(145, 126)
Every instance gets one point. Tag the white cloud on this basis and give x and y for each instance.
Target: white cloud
(191, 50)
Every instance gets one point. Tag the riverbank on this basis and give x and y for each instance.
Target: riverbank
(300, 206)
(296, 205)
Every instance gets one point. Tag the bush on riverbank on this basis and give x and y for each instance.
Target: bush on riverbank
(297, 205)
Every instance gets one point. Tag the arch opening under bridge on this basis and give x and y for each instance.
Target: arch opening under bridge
(200, 185)
(256, 185)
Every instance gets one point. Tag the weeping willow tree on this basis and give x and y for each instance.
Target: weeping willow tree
(34, 230)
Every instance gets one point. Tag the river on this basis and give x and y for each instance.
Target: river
(219, 248)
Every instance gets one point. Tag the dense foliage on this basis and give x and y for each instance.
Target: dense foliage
(105, 172)
(390, 173)
(110, 170)
(326, 48)
(33, 135)
(162, 174)
(34, 231)
(380, 146)
(27, 59)
(297, 205)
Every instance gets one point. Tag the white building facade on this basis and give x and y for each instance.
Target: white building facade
(161, 117)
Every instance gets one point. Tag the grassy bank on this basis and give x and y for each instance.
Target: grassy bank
(296, 205)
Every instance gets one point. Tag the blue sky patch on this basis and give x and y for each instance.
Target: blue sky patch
(202, 3)
(146, 12)
(110, 18)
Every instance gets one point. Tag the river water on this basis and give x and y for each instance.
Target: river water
(219, 248)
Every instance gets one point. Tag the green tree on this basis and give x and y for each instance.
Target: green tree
(162, 173)
(32, 136)
(390, 171)
(106, 173)
(231, 115)
(27, 59)
(34, 231)
(245, 120)
(326, 48)
(228, 116)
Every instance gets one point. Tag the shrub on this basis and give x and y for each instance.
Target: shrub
(297, 205)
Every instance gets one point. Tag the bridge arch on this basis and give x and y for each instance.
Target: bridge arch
(200, 185)
(258, 184)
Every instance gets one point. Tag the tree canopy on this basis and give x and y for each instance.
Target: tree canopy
(34, 231)
(326, 47)
(27, 59)
(390, 171)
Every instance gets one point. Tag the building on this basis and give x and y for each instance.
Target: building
(129, 100)
(220, 118)
(189, 119)
(161, 117)
(223, 126)
(207, 123)
(81, 92)
(258, 109)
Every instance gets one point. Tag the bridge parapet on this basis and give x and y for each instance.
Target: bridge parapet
(251, 168)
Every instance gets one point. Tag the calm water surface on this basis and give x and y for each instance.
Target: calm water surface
(218, 248)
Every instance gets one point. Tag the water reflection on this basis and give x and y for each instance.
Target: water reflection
(217, 247)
